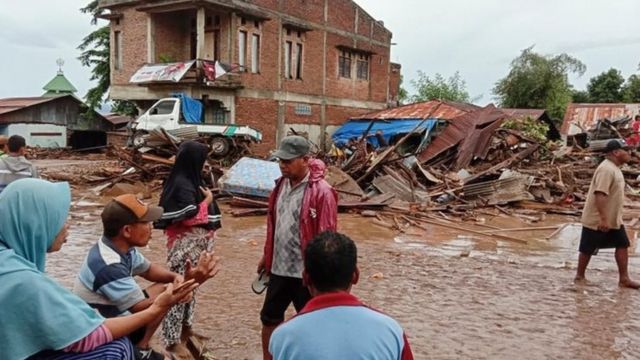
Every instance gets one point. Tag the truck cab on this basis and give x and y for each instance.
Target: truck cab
(169, 114)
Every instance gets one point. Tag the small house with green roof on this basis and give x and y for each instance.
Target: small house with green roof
(55, 119)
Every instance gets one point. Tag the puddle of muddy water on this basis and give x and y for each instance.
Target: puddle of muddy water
(458, 296)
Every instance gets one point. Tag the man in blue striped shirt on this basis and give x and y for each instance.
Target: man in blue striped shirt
(106, 279)
(334, 324)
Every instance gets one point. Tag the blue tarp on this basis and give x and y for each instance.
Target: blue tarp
(390, 128)
(191, 108)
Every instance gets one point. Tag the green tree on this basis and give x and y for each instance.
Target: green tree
(403, 95)
(439, 88)
(96, 54)
(606, 87)
(631, 89)
(579, 96)
(539, 82)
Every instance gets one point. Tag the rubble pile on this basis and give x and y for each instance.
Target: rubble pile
(143, 167)
(476, 167)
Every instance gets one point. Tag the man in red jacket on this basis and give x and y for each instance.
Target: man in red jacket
(301, 206)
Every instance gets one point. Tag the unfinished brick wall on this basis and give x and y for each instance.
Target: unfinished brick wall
(337, 115)
(133, 27)
(173, 36)
(261, 114)
(345, 24)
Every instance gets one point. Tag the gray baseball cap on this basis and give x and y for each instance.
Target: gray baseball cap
(616, 144)
(292, 147)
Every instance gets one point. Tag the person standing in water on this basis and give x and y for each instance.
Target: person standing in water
(191, 216)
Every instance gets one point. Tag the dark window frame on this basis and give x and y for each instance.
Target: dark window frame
(362, 67)
(345, 59)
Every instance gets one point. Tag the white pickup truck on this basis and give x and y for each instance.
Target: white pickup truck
(167, 114)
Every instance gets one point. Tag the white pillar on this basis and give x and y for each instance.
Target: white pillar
(200, 20)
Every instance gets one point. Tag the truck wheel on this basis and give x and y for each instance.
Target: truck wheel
(220, 147)
(138, 139)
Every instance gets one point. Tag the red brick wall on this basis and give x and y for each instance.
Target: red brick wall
(267, 78)
(364, 23)
(173, 36)
(342, 15)
(312, 54)
(261, 114)
(311, 10)
(337, 115)
(292, 118)
(133, 26)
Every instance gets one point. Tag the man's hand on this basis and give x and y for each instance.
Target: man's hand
(261, 265)
(208, 196)
(604, 225)
(175, 293)
(208, 267)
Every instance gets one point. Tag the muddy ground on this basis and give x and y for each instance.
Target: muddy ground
(457, 296)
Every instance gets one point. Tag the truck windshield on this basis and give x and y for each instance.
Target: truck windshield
(163, 108)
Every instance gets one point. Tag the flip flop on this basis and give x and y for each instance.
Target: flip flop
(261, 283)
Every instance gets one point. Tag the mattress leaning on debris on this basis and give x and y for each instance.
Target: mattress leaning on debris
(252, 177)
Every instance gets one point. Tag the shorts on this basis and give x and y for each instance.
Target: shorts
(281, 292)
(593, 240)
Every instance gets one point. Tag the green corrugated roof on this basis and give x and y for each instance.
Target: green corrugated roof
(59, 85)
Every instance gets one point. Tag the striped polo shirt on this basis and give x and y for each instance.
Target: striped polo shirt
(338, 326)
(106, 278)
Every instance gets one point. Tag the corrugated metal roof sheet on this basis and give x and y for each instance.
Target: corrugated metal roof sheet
(586, 115)
(433, 109)
(471, 132)
(13, 104)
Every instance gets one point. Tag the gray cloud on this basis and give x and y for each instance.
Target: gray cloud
(477, 38)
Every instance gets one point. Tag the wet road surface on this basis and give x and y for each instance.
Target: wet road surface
(457, 296)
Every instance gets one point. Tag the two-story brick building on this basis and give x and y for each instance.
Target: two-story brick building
(304, 64)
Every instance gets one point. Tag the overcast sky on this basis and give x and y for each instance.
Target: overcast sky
(477, 38)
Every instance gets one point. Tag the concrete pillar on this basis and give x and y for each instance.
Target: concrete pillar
(151, 39)
(281, 131)
(200, 21)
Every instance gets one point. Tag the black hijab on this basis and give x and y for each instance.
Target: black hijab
(181, 193)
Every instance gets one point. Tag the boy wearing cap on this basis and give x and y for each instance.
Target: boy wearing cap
(106, 279)
(602, 225)
(301, 206)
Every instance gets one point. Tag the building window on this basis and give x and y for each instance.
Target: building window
(299, 61)
(117, 50)
(287, 59)
(255, 53)
(242, 49)
(344, 64)
(363, 67)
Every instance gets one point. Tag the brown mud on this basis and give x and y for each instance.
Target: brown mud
(457, 296)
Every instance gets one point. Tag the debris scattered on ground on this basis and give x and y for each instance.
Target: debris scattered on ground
(480, 164)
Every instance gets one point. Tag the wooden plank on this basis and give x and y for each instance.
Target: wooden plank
(471, 231)
(538, 228)
(158, 159)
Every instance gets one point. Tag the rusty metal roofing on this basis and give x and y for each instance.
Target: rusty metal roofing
(470, 132)
(433, 109)
(586, 115)
(12, 104)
